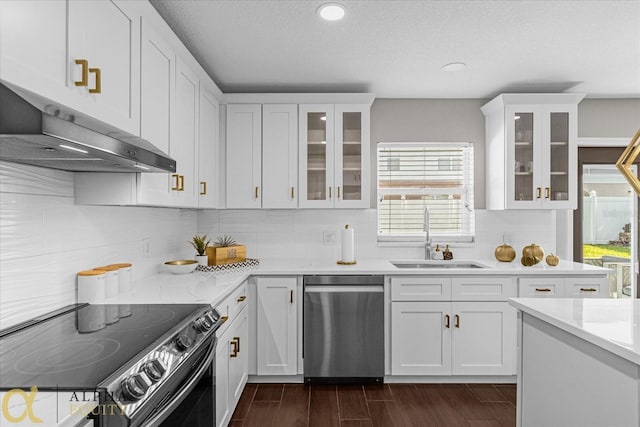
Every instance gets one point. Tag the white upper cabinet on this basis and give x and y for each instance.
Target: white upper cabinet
(334, 156)
(531, 153)
(280, 156)
(28, 58)
(106, 36)
(208, 149)
(244, 156)
(158, 70)
(81, 55)
(185, 135)
(179, 114)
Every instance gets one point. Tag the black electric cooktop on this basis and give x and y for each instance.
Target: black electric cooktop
(77, 350)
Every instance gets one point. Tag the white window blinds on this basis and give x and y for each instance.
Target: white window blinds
(415, 176)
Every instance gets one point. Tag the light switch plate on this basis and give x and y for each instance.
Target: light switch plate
(329, 237)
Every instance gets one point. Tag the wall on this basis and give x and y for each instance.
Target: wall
(45, 239)
(608, 118)
(437, 120)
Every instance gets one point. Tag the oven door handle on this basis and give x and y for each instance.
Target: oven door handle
(176, 400)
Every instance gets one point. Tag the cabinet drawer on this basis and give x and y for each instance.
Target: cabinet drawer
(483, 288)
(237, 301)
(588, 287)
(541, 287)
(231, 306)
(420, 288)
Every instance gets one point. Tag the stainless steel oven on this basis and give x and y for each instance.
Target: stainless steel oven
(153, 367)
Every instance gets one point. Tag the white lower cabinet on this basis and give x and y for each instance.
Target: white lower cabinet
(474, 336)
(567, 287)
(420, 341)
(232, 355)
(453, 338)
(277, 326)
(483, 338)
(231, 368)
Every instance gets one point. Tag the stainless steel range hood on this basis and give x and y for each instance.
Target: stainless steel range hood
(31, 136)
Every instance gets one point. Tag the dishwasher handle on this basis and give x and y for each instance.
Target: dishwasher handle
(341, 289)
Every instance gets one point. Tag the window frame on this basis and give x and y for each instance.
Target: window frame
(417, 239)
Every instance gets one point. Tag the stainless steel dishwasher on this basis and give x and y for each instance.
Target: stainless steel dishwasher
(343, 329)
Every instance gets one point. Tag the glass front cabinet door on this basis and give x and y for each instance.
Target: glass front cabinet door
(334, 149)
(532, 151)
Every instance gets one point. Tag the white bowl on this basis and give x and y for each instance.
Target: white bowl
(183, 266)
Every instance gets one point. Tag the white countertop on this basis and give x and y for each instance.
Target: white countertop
(195, 287)
(384, 266)
(212, 288)
(612, 324)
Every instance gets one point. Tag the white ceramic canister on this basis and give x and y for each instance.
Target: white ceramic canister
(112, 290)
(91, 289)
(113, 279)
(125, 269)
(92, 286)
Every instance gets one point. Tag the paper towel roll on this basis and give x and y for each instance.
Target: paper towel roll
(347, 244)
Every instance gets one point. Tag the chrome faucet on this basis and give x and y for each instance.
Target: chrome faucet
(427, 240)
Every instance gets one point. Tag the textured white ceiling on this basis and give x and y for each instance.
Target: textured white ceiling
(395, 49)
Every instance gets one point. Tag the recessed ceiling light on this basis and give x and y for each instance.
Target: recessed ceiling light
(331, 11)
(454, 66)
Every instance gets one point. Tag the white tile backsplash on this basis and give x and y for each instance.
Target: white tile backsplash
(299, 233)
(45, 238)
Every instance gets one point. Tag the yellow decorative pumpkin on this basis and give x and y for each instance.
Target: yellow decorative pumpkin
(552, 260)
(505, 253)
(531, 255)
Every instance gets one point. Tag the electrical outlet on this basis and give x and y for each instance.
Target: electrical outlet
(506, 237)
(146, 247)
(329, 237)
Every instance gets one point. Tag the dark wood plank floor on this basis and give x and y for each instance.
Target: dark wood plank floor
(388, 405)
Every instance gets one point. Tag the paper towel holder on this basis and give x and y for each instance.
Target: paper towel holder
(341, 262)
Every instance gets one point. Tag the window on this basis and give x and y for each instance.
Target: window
(415, 176)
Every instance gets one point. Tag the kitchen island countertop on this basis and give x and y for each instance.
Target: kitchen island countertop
(612, 324)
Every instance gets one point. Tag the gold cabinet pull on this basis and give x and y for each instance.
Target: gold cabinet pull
(236, 347)
(457, 321)
(85, 72)
(177, 178)
(338, 192)
(329, 192)
(292, 194)
(538, 192)
(224, 318)
(547, 192)
(543, 290)
(447, 321)
(291, 296)
(181, 183)
(97, 88)
(242, 298)
(588, 290)
(257, 188)
(203, 184)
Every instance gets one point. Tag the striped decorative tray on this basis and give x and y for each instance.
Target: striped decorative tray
(232, 267)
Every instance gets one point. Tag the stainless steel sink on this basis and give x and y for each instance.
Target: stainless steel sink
(437, 264)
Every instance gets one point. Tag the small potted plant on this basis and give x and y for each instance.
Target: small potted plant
(225, 250)
(200, 244)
